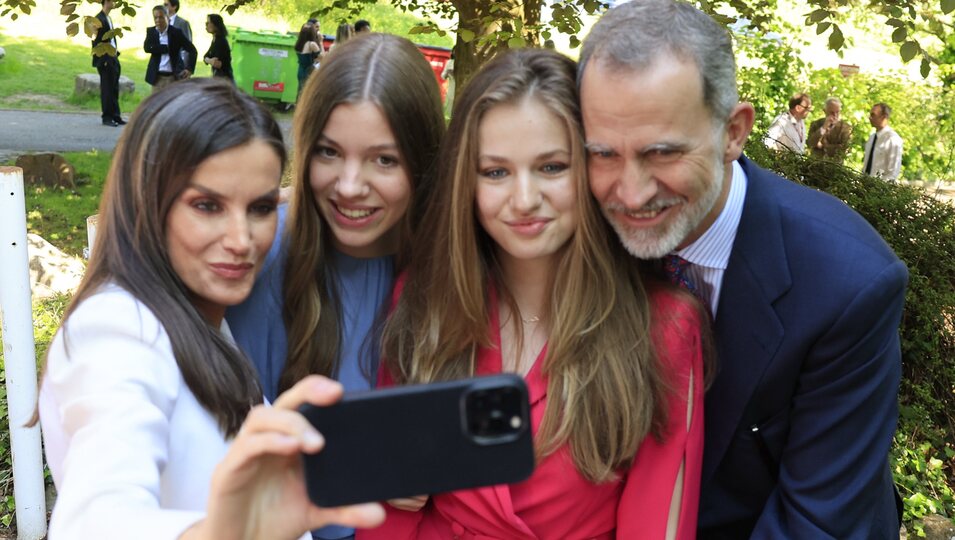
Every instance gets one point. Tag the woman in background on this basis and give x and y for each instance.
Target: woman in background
(219, 56)
(152, 418)
(368, 128)
(344, 32)
(308, 49)
(522, 275)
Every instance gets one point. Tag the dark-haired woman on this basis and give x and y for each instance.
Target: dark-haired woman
(154, 421)
(369, 123)
(219, 56)
(308, 50)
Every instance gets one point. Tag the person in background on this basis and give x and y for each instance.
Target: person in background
(361, 25)
(883, 150)
(806, 298)
(829, 136)
(788, 130)
(172, 7)
(108, 67)
(536, 285)
(308, 49)
(342, 34)
(369, 123)
(447, 74)
(219, 56)
(164, 44)
(153, 421)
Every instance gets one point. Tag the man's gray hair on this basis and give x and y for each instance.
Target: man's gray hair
(637, 34)
(830, 101)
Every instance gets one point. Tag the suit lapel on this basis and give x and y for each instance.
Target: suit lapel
(748, 331)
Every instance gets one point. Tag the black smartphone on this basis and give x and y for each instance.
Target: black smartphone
(421, 440)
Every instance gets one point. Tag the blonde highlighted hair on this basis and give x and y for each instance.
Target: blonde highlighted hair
(605, 391)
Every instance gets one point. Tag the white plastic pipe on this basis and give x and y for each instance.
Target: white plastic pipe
(20, 357)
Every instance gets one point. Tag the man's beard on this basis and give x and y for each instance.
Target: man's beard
(655, 242)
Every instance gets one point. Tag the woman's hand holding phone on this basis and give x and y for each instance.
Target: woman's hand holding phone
(258, 489)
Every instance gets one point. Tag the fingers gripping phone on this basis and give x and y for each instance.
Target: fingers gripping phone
(421, 439)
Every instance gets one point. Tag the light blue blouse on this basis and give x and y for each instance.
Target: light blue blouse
(363, 286)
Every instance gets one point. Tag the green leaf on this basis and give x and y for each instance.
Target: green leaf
(822, 27)
(90, 26)
(947, 6)
(900, 34)
(104, 48)
(836, 40)
(72, 29)
(574, 42)
(72, 17)
(516, 42)
(819, 15)
(421, 29)
(67, 9)
(894, 22)
(908, 50)
(926, 68)
(466, 35)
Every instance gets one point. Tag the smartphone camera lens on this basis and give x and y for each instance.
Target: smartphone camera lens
(494, 414)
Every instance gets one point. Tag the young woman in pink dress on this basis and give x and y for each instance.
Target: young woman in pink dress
(521, 274)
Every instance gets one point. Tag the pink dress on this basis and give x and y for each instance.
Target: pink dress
(556, 501)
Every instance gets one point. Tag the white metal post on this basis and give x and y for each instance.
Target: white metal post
(20, 357)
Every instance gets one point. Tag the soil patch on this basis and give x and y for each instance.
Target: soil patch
(37, 101)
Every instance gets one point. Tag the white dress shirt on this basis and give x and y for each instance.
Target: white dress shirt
(131, 449)
(887, 160)
(709, 255)
(787, 133)
(165, 65)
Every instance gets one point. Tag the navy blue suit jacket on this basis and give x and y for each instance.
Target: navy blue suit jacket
(177, 43)
(804, 405)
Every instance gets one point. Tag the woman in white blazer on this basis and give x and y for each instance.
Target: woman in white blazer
(145, 402)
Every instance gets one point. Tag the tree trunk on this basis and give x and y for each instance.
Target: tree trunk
(474, 16)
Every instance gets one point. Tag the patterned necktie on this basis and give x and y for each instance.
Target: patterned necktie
(675, 269)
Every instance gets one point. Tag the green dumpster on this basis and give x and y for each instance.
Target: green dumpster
(264, 64)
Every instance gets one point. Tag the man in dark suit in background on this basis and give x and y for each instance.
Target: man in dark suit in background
(172, 7)
(805, 296)
(107, 65)
(165, 43)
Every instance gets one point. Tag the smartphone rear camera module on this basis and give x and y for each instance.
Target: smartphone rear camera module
(494, 415)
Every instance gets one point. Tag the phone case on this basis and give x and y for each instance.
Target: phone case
(413, 440)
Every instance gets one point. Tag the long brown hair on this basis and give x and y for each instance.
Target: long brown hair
(171, 133)
(391, 73)
(604, 387)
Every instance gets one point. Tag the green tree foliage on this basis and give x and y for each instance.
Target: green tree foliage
(921, 28)
(770, 71)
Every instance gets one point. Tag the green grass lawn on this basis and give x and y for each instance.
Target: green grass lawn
(59, 215)
(40, 74)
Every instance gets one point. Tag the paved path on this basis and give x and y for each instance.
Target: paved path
(47, 131)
